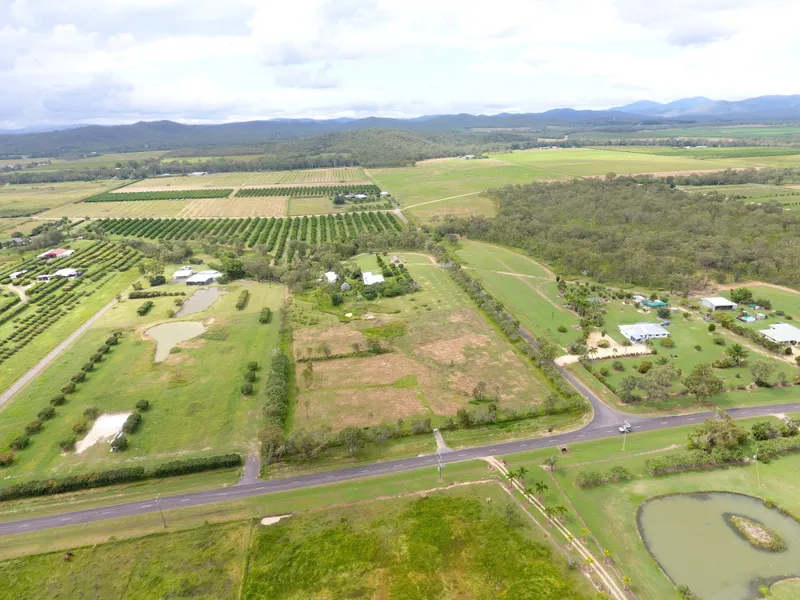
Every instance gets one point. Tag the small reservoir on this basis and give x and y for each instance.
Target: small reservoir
(200, 301)
(169, 335)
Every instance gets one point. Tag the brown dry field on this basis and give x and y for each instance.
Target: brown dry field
(431, 370)
(200, 208)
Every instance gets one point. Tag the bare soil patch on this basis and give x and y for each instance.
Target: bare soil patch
(339, 338)
(361, 408)
(447, 351)
(373, 370)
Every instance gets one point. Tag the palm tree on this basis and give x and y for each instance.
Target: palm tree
(737, 353)
(626, 581)
(570, 539)
(528, 491)
(607, 556)
(551, 462)
(541, 488)
(589, 562)
(593, 353)
(521, 472)
(560, 510)
(585, 533)
(549, 513)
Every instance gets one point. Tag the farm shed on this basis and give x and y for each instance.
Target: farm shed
(718, 303)
(640, 332)
(782, 333)
(370, 279)
(18, 274)
(68, 273)
(331, 277)
(203, 278)
(57, 253)
(183, 273)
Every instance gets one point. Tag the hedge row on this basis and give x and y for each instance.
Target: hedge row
(277, 390)
(244, 296)
(308, 191)
(152, 294)
(98, 479)
(165, 195)
(693, 460)
(265, 316)
(586, 479)
(144, 308)
(769, 449)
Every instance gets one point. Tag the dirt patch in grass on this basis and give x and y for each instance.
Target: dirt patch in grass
(373, 370)
(361, 407)
(339, 338)
(447, 351)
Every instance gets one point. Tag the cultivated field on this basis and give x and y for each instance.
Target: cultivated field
(454, 538)
(441, 348)
(28, 199)
(273, 206)
(782, 132)
(196, 403)
(234, 180)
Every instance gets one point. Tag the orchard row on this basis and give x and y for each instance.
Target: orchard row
(163, 195)
(308, 191)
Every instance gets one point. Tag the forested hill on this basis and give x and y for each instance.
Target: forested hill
(648, 234)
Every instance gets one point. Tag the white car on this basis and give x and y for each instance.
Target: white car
(625, 427)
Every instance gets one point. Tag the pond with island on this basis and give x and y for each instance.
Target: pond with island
(693, 538)
(169, 335)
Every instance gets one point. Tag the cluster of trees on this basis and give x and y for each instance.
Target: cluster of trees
(648, 234)
(616, 473)
(241, 302)
(86, 481)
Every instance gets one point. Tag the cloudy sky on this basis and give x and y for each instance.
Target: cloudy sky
(116, 61)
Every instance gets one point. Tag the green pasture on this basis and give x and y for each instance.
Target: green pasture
(610, 511)
(444, 178)
(708, 153)
(481, 256)
(28, 199)
(196, 403)
(578, 162)
(479, 205)
(98, 161)
(751, 191)
(743, 132)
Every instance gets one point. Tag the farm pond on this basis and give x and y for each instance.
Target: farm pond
(689, 537)
(169, 335)
(199, 301)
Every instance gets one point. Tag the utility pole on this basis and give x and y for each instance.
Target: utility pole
(158, 503)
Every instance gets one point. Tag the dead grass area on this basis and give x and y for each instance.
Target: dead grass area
(339, 338)
(373, 370)
(453, 350)
(362, 408)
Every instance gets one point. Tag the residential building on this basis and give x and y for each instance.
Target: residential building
(183, 273)
(370, 279)
(782, 333)
(641, 332)
(203, 278)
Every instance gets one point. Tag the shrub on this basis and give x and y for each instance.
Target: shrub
(603, 344)
(69, 388)
(698, 348)
(68, 443)
(421, 426)
(619, 473)
(48, 412)
(20, 442)
(644, 366)
(131, 423)
(6, 458)
(604, 371)
(89, 366)
(196, 465)
(58, 400)
(244, 296)
(588, 479)
(104, 349)
(91, 412)
(143, 405)
(247, 388)
(667, 343)
(712, 327)
(252, 365)
(788, 351)
(277, 390)
(78, 377)
(33, 427)
(617, 365)
(158, 280)
(562, 329)
(265, 316)
(80, 427)
(144, 308)
(120, 443)
(249, 376)
(719, 341)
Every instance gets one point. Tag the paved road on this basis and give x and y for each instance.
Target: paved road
(596, 430)
(52, 355)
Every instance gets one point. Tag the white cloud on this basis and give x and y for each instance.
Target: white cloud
(95, 60)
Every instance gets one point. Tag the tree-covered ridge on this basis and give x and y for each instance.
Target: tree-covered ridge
(644, 233)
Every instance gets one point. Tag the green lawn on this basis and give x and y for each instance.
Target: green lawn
(578, 162)
(610, 511)
(479, 255)
(196, 403)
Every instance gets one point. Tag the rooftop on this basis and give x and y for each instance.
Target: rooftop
(369, 278)
(782, 332)
(718, 301)
(641, 330)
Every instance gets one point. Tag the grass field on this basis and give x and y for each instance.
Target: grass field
(28, 199)
(581, 162)
(450, 544)
(741, 132)
(94, 162)
(753, 192)
(25, 225)
(319, 205)
(225, 180)
(706, 153)
(441, 349)
(273, 206)
(610, 511)
(196, 403)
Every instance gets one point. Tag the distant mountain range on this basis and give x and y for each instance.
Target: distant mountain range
(763, 108)
(169, 135)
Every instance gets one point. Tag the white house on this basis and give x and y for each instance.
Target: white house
(718, 303)
(384, 194)
(359, 196)
(641, 332)
(203, 278)
(370, 279)
(68, 273)
(782, 333)
(18, 274)
(44, 277)
(183, 273)
(331, 277)
(198, 173)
